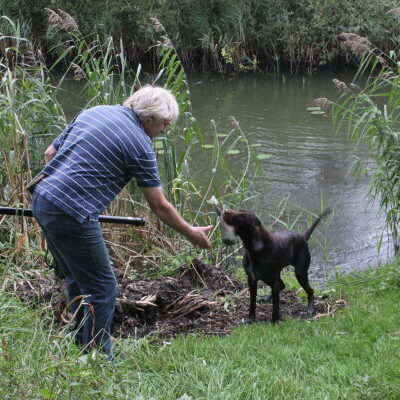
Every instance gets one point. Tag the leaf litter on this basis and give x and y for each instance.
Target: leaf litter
(201, 299)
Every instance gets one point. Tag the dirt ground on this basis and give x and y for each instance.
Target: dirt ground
(202, 299)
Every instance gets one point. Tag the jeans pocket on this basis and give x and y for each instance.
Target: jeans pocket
(53, 221)
(51, 216)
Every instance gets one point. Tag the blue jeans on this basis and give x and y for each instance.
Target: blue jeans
(81, 255)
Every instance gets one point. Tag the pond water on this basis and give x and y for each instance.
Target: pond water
(309, 160)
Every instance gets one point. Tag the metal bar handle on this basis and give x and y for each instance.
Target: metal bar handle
(26, 212)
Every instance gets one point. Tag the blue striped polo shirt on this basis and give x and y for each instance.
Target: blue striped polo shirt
(97, 154)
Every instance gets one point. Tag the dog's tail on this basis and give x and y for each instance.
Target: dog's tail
(316, 222)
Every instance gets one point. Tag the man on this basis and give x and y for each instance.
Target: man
(87, 165)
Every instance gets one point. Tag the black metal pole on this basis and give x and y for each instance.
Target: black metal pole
(26, 212)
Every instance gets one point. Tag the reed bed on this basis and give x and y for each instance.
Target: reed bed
(29, 112)
(32, 116)
(371, 114)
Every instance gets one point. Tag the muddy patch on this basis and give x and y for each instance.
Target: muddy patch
(201, 299)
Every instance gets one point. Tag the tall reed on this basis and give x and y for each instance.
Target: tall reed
(191, 138)
(372, 118)
(29, 113)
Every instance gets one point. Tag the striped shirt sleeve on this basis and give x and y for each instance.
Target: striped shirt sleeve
(63, 135)
(142, 165)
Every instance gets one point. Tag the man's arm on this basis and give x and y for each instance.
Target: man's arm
(49, 153)
(170, 216)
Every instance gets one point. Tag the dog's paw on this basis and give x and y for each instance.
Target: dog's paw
(310, 311)
(249, 321)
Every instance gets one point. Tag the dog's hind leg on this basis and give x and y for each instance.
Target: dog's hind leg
(301, 271)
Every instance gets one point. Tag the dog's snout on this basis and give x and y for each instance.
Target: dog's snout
(227, 232)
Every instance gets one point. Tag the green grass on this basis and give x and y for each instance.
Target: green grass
(353, 355)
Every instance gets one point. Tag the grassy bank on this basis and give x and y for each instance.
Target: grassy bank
(350, 355)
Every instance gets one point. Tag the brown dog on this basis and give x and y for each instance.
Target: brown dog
(266, 254)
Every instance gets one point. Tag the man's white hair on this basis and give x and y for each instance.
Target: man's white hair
(153, 102)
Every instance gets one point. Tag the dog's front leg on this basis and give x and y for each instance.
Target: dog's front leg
(253, 298)
(275, 290)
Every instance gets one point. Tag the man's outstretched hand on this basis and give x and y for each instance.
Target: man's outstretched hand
(199, 238)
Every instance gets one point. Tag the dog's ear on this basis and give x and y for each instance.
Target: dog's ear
(257, 242)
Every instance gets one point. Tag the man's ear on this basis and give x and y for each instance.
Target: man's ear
(256, 241)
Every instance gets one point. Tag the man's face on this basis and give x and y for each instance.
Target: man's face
(154, 127)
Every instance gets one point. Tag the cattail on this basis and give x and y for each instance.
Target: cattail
(31, 58)
(386, 75)
(355, 86)
(69, 24)
(394, 11)
(382, 61)
(359, 45)
(353, 37)
(54, 18)
(78, 72)
(322, 102)
(166, 41)
(28, 59)
(340, 86)
(357, 48)
(62, 20)
(158, 26)
(234, 121)
(40, 56)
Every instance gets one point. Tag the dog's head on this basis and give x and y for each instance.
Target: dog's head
(242, 223)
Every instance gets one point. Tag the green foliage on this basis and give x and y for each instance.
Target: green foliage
(228, 35)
